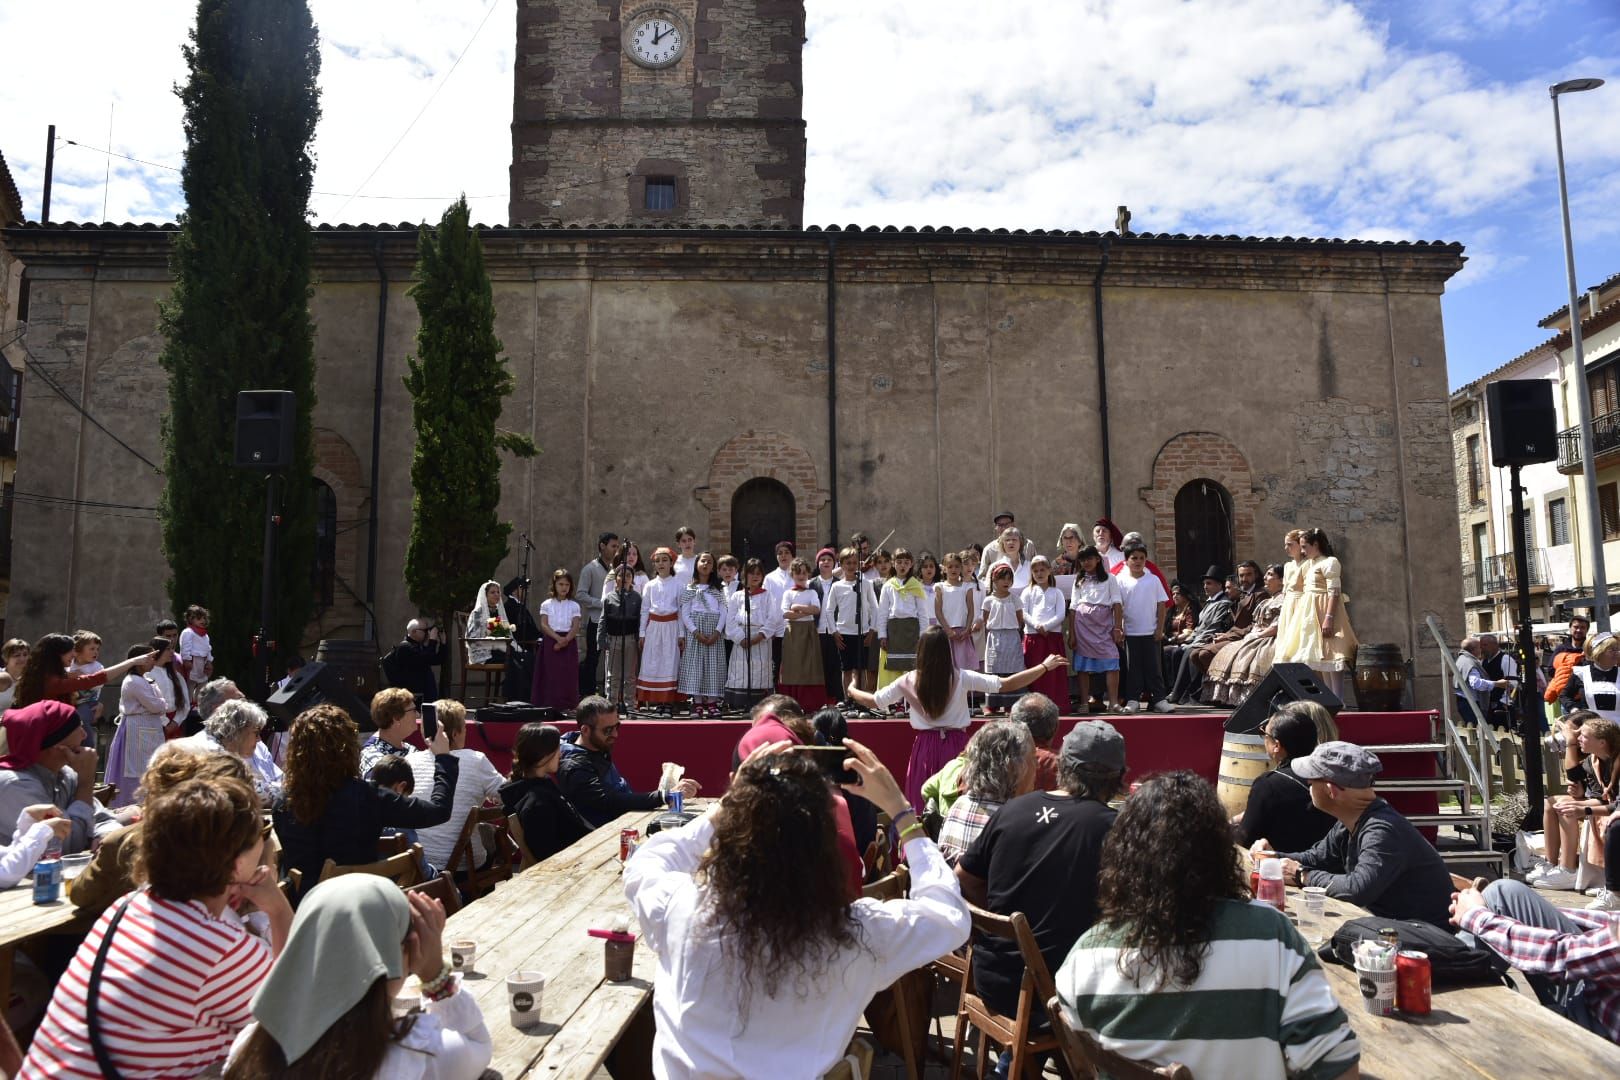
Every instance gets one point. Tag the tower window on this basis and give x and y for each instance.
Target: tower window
(660, 193)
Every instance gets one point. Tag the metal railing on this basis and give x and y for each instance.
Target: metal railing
(1497, 574)
(1605, 440)
(1479, 773)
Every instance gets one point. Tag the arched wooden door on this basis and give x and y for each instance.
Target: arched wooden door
(761, 515)
(1203, 529)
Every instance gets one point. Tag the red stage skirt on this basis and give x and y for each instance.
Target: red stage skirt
(1054, 684)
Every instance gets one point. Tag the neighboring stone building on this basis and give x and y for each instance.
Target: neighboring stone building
(758, 383)
(11, 209)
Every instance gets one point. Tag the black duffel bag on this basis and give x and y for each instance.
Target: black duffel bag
(1452, 962)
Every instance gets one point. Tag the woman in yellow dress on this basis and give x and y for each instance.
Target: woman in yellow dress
(1322, 624)
(1287, 640)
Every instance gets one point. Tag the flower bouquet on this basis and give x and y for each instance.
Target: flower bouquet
(497, 627)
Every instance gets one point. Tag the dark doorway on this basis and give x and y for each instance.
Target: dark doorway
(1203, 530)
(761, 516)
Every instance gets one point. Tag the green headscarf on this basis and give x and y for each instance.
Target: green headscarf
(347, 934)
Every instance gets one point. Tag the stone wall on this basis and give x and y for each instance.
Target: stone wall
(589, 124)
(660, 370)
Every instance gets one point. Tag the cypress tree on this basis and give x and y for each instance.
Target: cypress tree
(456, 380)
(238, 317)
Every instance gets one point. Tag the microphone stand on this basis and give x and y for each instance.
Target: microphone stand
(618, 670)
(748, 632)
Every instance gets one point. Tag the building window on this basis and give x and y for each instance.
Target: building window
(1485, 622)
(1476, 474)
(323, 573)
(660, 193)
(1557, 522)
(1609, 511)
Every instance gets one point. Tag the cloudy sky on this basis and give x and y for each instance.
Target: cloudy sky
(1379, 119)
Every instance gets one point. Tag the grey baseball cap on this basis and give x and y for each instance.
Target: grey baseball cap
(1095, 742)
(1341, 763)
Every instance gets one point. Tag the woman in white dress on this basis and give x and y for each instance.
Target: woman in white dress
(143, 716)
(752, 621)
(484, 647)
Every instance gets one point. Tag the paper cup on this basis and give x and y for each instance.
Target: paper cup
(524, 990)
(462, 955)
(1377, 990)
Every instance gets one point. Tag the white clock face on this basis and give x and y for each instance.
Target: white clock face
(656, 41)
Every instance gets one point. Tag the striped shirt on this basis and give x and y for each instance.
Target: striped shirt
(1261, 1008)
(175, 990)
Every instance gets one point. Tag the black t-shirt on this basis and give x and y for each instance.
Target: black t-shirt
(1040, 854)
(1280, 810)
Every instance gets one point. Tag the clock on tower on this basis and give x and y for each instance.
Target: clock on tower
(673, 111)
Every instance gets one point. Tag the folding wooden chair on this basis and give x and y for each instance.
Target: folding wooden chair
(1009, 1032)
(403, 869)
(392, 844)
(442, 888)
(1088, 1057)
(890, 1012)
(854, 1065)
(514, 828)
(474, 880)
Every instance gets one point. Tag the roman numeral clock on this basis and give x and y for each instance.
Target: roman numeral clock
(656, 37)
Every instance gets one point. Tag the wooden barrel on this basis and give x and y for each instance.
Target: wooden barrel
(1243, 761)
(354, 662)
(1380, 678)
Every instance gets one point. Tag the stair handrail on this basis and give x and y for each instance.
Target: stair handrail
(1480, 776)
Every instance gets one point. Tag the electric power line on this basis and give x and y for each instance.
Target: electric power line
(32, 362)
(487, 13)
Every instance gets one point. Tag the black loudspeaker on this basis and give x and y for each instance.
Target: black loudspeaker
(1285, 683)
(265, 421)
(1524, 426)
(316, 684)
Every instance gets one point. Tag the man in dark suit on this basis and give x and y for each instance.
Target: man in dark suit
(409, 665)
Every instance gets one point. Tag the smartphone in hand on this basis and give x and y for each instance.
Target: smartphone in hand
(430, 720)
(831, 760)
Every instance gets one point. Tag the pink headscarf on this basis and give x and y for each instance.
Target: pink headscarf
(34, 728)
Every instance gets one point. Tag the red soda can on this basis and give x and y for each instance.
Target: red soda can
(1412, 982)
(628, 839)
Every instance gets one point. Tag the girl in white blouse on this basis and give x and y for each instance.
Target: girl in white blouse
(764, 960)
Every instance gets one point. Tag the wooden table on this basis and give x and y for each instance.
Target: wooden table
(21, 919)
(538, 921)
(1472, 1032)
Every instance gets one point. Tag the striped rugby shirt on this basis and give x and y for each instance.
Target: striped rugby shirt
(1260, 1009)
(175, 990)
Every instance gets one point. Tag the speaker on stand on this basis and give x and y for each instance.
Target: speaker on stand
(1285, 683)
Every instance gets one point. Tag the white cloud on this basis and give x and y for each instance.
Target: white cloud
(1241, 116)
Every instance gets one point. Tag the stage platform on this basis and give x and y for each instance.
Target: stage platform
(1154, 742)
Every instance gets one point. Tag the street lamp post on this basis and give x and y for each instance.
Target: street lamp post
(1583, 404)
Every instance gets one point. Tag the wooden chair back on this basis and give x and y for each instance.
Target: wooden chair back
(854, 1065)
(1036, 987)
(392, 844)
(442, 888)
(1088, 1057)
(475, 880)
(514, 828)
(403, 869)
(891, 886)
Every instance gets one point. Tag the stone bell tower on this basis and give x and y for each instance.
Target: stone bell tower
(678, 111)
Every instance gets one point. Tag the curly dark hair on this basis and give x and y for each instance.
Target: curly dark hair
(323, 750)
(1166, 861)
(777, 890)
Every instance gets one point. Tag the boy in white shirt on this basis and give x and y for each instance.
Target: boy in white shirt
(1143, 598)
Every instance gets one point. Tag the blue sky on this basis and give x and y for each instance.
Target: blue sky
(1426, 119)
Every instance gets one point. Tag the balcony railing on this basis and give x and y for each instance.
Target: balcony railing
(1605, 441)
(1497, 574)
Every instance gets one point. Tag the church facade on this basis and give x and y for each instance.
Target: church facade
(686, 353)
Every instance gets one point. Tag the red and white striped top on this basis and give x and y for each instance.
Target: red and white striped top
(175, 990)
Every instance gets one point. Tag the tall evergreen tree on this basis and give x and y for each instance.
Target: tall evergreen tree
(456, 380)
(238, 318)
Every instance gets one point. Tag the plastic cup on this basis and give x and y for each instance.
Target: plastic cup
(73, 865)
(1313, 922)
(524, 990)
(1377, 990)
(462, 955)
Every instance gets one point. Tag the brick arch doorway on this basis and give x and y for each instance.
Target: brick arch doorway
(1203, 511)
(749, 455)
(1186, 459)
(762, 515)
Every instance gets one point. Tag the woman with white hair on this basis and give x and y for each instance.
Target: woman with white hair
(998, 765)
(235, 728)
